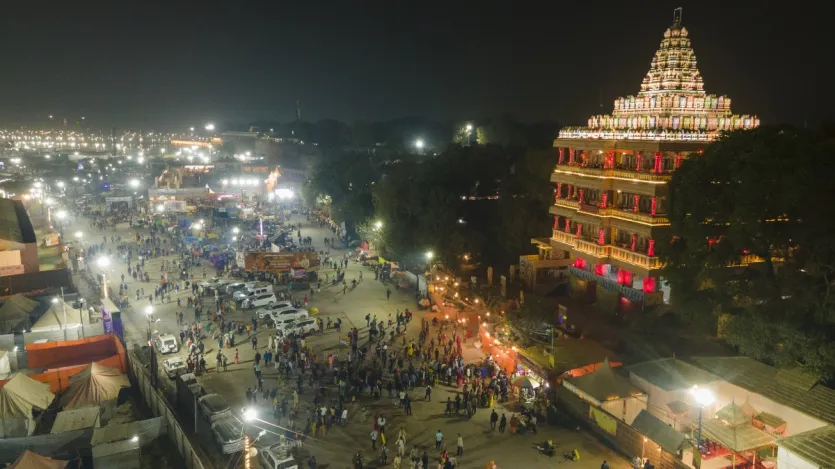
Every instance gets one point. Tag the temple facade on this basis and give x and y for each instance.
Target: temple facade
(610, 180)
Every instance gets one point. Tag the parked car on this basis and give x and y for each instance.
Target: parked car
(229, 435)
(277, 457)
(174, 367)
(306, 327)
(233, 287)
(284, 325)
(211, 282)
(263, 299)
(287, 313)
(166, 343)
(213, 407)
(264, 312)
(249, 291)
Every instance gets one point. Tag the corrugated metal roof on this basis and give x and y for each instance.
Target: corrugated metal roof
(815, 446)
(671, 374)
(76, 419)
(791, 388)
(662, 434)
(149, 429)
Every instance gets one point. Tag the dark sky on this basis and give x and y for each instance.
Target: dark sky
(170, 65)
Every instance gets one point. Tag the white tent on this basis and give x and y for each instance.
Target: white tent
(14, 314)
(53, 318)
(30, 460)
(94, 385)
(17, 399)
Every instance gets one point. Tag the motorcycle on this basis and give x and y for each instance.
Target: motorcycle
(546, 447)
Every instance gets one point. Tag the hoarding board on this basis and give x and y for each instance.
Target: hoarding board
(279, 261)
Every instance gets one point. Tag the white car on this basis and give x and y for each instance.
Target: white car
(263, 299)
(264, 312)
(166, 343)
(285, 325)
(306, 327)
(288, 313)
(277, 457)
(174, 367)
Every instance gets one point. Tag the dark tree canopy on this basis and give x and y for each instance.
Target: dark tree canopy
(766, 192)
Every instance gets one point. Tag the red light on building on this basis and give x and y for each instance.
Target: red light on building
(610, 160)
(649, 284)
(638, 158)
(580, 263)
(570, 156)
(562, 154)
(651, 248)
(603, 199)
(601, 237)
(598, 269)
(580, 199)
(636, 199)
(559, 190)
(678, 160)
(579, 229)
(658, 162)
(583, 157)
(634, 242)
(556, 222)
(654, 205)
(567, 225)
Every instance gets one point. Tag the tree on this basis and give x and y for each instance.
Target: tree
(764, 193)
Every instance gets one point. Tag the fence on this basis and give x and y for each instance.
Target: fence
(617, 433)
(156, 402)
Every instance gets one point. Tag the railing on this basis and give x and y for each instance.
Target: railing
(565, 238)
(567, 203)
(647, 176)
(593, 248)
(635, 258)
(639, 217)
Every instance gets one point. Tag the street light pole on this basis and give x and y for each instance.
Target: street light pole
(703, 397)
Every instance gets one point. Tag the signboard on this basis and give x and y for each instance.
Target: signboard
(175, 205)
(603, 420)
(11, 270)
(255, 169)
(278, 261)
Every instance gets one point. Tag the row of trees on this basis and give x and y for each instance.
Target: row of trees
(765, 192)
(483, 201)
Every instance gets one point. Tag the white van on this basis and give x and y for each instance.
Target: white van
(277, 457)
(263, 299)
(252, 291)
(229, 435)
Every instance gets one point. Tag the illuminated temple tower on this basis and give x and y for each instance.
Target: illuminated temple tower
(610, 194)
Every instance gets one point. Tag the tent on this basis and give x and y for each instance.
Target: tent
(604, 385)
(94, 385)
(53, 318)
(14, 314)
(30, 460)
(17, 399)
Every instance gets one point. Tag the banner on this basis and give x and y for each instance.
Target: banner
(279, 261)
(603, 420)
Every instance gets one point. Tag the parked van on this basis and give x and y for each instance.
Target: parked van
(229, 435)
(252, 291)
(263, 299)
(277, 457)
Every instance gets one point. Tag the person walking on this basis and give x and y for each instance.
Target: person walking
(388, 293)
(605, 465)
(428, 396)
(494, 417)
(374, 436)
(502, 423)
(384, 455)
(439, 438)
(460, 451)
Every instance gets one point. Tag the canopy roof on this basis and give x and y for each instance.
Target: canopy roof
(737, 438)
(53, 318)
(604, 384)
(30, 460)
(21, 394)
(15, 311)
(733, 415)
(94, 385)
(662, 434)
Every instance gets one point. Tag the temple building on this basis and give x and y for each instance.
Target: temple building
(610, 181)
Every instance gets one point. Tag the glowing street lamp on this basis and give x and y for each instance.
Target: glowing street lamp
(236, 230)
(378, 224)
(703, 397)
(469, 132)
(61, 214)
(134, 183)
(210, 127)
(78, 235)
(419, 145)
(429, 255)
(250, 414)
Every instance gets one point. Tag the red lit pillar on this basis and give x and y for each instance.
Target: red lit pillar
(556, 223)
(559, 190)
(603, 199)
(636, 199)
(610, 160)
(601, 237)
(567, 225)
(654, 206)
(580, 199)
(638, 158)
(678, 160)
(598, 269)
(649, 284)
(579, 230)
(651, 248)
(583, 157)
(570, 193)
(571, 156)
(562, 154)
(634, 242)
(657, 162)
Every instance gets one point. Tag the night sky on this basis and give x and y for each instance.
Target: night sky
(166, 65)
